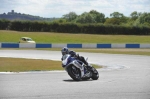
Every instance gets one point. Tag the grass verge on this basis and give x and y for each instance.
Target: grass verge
(49, 37)
(22, 65)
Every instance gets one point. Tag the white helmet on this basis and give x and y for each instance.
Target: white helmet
(64, 51)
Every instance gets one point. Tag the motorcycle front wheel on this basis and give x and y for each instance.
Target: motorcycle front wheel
(95, 74)
(74, 73)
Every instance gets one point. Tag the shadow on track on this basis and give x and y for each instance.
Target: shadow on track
(71, 80)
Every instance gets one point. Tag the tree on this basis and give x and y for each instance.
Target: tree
(113, 21)
(134, 15)
(85, 18)
(144, 18)
(98, 17)
(70, 16)
(116, 15)
(91, 17)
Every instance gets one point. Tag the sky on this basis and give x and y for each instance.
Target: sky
(58, 8)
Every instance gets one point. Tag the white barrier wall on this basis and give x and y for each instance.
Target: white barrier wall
(27, 45)
(144, 45)
(89, 45)
(60, 45)
(118, 45)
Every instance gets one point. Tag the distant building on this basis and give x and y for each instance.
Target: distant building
(12, 12)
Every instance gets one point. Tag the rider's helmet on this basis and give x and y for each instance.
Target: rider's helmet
(64, 51)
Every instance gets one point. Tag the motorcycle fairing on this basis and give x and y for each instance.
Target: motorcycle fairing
(69, 61)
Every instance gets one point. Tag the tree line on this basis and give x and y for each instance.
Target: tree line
(92, 22)
(116, 18)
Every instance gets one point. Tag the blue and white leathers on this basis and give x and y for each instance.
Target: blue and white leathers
(68, 61)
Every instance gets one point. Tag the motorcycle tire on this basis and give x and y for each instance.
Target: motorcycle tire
(74, 73)
(95, 74)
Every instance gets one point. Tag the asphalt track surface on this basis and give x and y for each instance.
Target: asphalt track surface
(123, 77)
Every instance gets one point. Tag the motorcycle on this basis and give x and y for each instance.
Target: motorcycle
(77, 70)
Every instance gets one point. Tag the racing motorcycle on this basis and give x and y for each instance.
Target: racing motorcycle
(77, 70)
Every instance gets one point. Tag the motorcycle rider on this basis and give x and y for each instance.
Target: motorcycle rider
(65, 51)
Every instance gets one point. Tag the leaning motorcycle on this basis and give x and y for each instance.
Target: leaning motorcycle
(77, 69)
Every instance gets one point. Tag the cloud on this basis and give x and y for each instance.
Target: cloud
(57, 8)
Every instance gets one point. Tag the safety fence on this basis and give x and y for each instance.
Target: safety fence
(60, 45)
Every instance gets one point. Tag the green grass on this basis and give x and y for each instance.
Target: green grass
(49, 37)
(21, 65)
